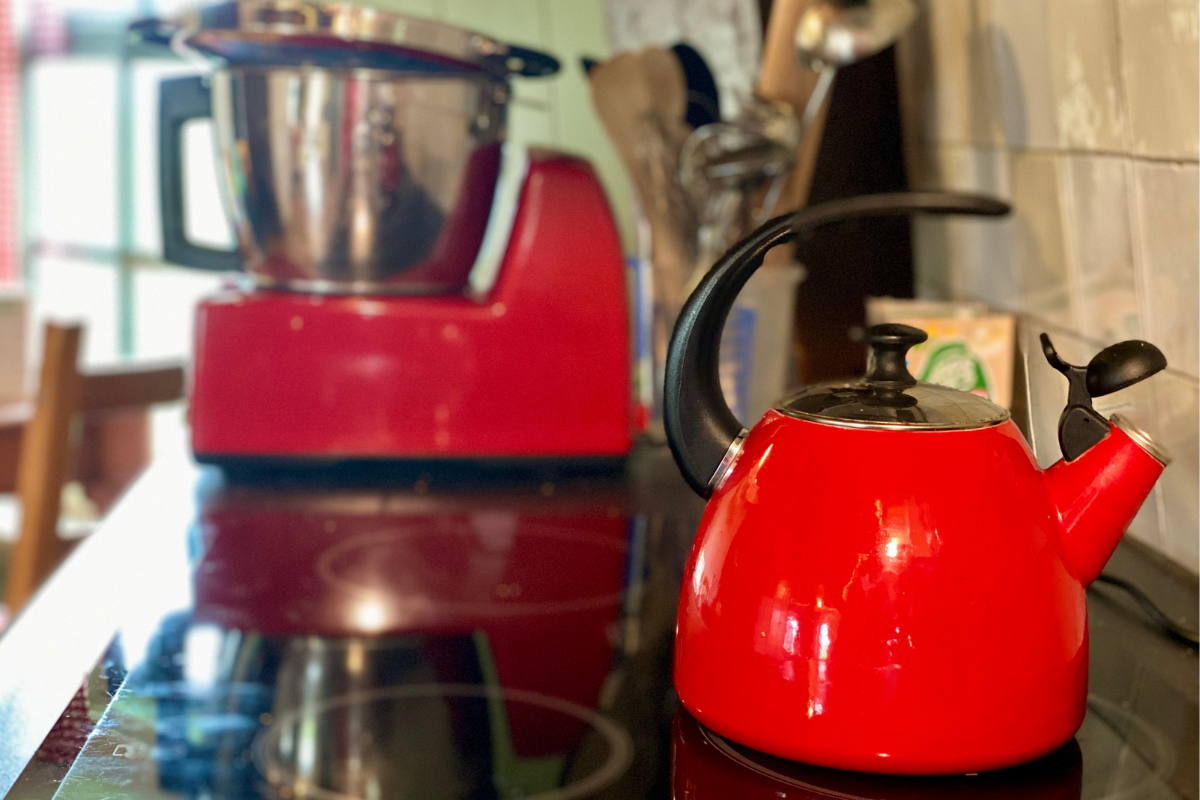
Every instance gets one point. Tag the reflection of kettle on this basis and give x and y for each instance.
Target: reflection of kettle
(884, 580)
(704, 766)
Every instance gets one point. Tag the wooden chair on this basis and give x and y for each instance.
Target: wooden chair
(112, 405)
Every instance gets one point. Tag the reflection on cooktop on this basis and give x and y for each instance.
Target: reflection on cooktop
(408, 741)
(487, 567)
(231, 714)
(487, 645)
(345, 575)
(1123, 755)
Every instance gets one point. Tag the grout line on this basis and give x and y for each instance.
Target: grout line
(1064, 151)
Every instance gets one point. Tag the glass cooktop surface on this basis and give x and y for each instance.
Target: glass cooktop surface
(499, 642)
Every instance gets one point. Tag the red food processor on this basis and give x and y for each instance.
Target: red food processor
(412, 287)
(884, 579)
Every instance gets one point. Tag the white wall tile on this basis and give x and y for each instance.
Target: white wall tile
(1101, 247)
(977, 257)
(1179, 416)
(1086, 113)
(965, 258)
(1160, 61)
(1087, 74)
(931, 258)
(985, 169)
(1024, 77)
(1040, 245)
(947, 77)
(1168, 199)
(982, 258)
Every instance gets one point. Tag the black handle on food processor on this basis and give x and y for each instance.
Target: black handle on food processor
(526, 63)
(1118, 366)
(700, 427)
(180, 100)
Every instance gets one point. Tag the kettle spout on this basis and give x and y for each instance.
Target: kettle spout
(1098, 494)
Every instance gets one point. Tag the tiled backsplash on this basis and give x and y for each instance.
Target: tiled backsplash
(1085, 115)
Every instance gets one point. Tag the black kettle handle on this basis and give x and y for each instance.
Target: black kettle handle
(180, 100)
(700, 427)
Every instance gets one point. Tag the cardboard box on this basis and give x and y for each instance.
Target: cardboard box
(969, 347)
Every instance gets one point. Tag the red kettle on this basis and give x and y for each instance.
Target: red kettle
(884, 580)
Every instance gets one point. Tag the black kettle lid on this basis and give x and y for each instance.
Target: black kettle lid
(889, 397)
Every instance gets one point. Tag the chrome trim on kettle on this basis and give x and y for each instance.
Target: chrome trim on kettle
(1142, 439)
(726, 465)
(873, 425)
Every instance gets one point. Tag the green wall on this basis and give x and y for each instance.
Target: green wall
(557, 111)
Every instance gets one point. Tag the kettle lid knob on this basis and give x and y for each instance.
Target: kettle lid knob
(889, 344)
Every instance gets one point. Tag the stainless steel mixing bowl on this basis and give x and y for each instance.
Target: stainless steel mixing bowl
(360, 148)
(344, 180)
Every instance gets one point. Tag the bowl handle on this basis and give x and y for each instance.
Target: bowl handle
(179, 100)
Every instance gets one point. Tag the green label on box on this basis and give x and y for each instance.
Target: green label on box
(955, 366)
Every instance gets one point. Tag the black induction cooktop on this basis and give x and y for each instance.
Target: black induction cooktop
(444, 639)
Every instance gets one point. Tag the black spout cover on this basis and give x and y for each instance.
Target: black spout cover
(1081, 427)
(1122, 365)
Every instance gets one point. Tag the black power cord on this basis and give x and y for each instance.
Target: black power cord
(1172, 628)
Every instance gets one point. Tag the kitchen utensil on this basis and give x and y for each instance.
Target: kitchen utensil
(722, 164)
(641, 100)
(884, 580)
(830, 34)
(444, 296)
(783, 79)
(704, 101)
(837, 33)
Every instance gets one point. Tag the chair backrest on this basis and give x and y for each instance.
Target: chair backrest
(50, 442)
